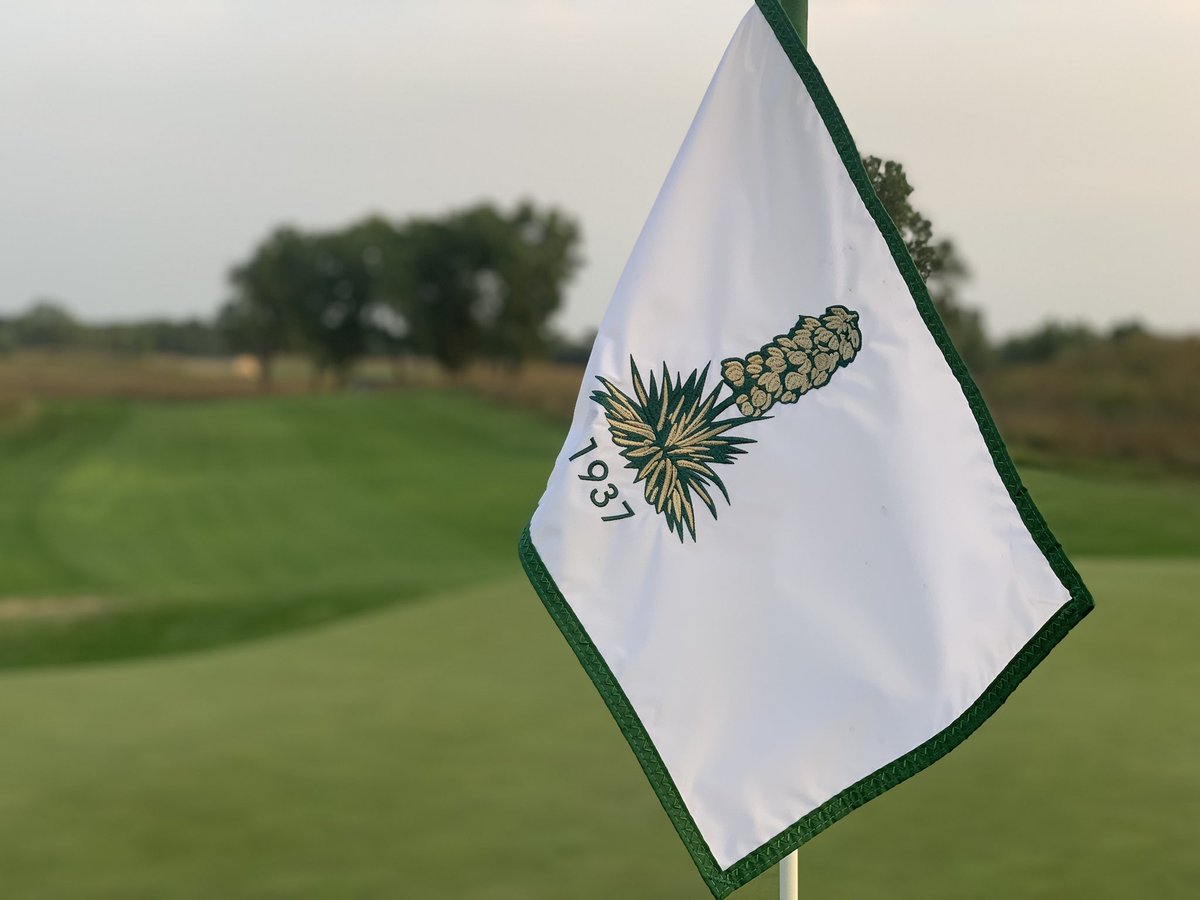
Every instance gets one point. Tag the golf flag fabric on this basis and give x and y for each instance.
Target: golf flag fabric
(783, 536)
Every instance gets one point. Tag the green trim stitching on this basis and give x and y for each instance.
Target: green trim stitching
(627, 719)
(852, 160)
(724, 882)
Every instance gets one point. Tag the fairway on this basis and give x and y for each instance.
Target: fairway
(443, 741)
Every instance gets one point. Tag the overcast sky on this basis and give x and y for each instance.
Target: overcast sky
(148, 144)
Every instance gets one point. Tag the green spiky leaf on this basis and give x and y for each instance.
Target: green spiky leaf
(671, 435)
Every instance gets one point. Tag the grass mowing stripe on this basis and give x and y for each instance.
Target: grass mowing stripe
(240, 511)
(267, 513)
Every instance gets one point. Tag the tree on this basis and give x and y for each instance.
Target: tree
(1046, 342)
(441, 287)
(538, 257)
(1126, 329)
(45, 324)
(258, 318)
(938, 262)
(473, 282)
(8, 341)
(482, 282)
(334, 289)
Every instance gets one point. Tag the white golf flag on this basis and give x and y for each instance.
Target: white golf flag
(783, 536)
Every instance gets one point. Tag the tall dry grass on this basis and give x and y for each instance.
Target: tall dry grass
(1135, 400)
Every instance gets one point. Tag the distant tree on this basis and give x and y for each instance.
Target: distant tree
(1046, 342)
(259, 318)
(442, 287)
(483, 282)
(1127, 329)
(538, 254)
(478, 281)
(188, 337)
(330, 308)
(246, 327)
(123, 337)
(379, 245)
(45, 324)
(315, 292)
(937, 261)
(576, 350)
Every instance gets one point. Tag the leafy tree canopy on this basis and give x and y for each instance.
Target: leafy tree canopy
(938, 261)
(475, 282)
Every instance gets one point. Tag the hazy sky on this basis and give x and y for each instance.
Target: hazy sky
(147, 144)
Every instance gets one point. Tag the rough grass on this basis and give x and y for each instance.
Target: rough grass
(1133, 400)
(75, 373)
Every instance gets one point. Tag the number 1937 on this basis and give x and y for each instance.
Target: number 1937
(597, 471)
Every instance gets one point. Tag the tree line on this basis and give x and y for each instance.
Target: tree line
(945, 272)
(476, 283)
(479, 282)
(48, 325)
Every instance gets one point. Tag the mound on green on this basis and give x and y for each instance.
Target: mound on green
(135, 528)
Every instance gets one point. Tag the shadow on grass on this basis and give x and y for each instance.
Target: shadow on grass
(122, 633)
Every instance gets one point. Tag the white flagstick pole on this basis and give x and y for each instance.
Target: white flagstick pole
(789, 866)
(789, 876)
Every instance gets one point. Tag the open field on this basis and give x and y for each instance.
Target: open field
(443, 741)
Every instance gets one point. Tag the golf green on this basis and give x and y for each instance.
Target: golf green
(453, 748)
(449, 745)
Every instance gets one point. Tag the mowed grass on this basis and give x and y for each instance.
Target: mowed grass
(452, 747)
(132, 528)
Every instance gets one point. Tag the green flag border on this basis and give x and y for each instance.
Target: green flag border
(723, 882)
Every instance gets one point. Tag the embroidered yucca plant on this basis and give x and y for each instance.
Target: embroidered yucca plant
(672, 434)
(794, 363)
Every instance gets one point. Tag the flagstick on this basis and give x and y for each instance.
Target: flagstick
(789, 866)
(789, 876)
(797, 11)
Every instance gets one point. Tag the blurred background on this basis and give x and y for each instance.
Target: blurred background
(294, 302)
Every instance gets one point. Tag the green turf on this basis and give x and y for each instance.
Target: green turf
(1102, 515)
(453, 748)
(191, 525)
(203, 523)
